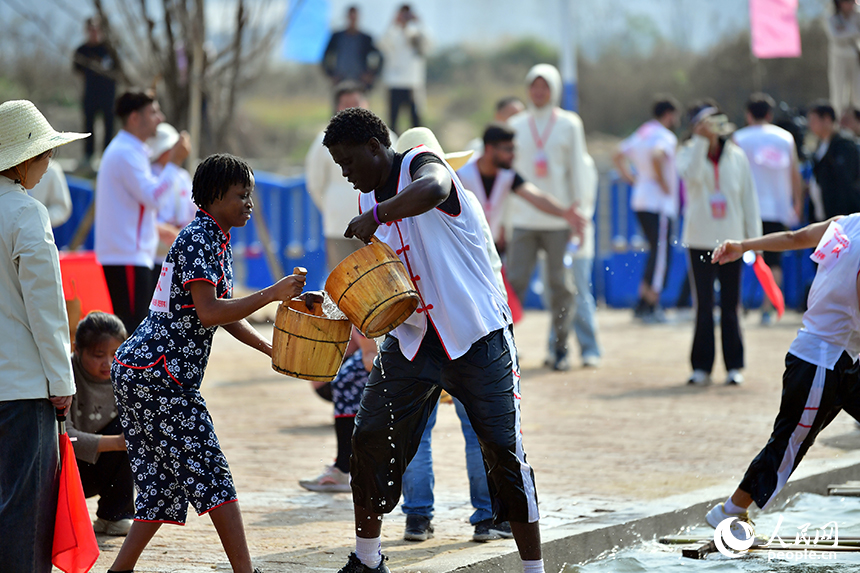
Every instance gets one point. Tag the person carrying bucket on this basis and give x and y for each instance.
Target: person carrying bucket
(459, 338)
(821, 369)
(175, 455)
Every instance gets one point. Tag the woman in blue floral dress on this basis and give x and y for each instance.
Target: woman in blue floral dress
(175, 455)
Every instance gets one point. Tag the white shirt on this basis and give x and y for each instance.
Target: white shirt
(447, 259)
(127, 200)
(652, 136)
(34, 356)
(493, 205)
(332, 194)
(770, 151)
(405, 64)
(831, 323)
(843, 34)
(52, 191)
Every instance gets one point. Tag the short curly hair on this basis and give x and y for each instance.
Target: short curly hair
(356, 126)
(215, 175)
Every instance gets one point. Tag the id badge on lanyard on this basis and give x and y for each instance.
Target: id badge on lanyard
(541, 163)
(541, 167)
(717, 199)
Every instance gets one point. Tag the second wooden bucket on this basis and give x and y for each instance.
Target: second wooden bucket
(306, 344)
(373, 289)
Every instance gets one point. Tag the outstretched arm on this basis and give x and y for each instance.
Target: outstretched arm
(430, 187)
(246, 334)
(805, 238)
(549, 204)
(214, 311)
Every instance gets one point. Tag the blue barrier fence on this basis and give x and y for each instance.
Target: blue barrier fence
(295, 226)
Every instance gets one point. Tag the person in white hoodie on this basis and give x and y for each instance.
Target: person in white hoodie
(551, 153)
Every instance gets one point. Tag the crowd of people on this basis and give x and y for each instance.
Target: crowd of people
(525, 192)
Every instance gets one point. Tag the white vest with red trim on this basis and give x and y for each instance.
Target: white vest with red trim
(494, 205)
(447, 260)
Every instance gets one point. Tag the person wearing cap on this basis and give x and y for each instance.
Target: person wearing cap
(176, 208)
(128, 195)
(35, 366)
(551, 154)
(458, 339)
(721, 205)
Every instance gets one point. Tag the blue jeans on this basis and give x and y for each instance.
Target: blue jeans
(584, 323)
(418, 478)
(29, 472)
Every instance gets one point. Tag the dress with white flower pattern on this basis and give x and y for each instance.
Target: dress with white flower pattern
(174, 452)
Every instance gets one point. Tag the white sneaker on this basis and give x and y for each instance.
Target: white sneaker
(331, 480)
(118, 527)
(718, 514)
(591, 361)
(699, 378)
(734, 377)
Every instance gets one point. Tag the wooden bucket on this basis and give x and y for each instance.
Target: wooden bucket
(306, 344)
(373, 289)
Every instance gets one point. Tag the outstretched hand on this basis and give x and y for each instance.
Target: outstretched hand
(575, 219)
(728, 252)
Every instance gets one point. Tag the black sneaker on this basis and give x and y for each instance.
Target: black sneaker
(561, 364)
(354, 565)
(487, 531)
(418, 528)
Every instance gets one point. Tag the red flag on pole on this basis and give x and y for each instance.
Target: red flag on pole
(771, 289)
(75, 548)
(774, 29)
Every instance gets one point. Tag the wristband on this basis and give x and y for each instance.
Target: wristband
(375, 216)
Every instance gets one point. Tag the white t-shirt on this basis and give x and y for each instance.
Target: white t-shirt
(639, 148)
(831, 324)
(770, 150)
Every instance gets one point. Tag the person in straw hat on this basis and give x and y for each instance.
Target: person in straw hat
(459, 338)
(721, 205)
(35, 368)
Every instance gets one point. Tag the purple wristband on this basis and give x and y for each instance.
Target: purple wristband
(375, 216)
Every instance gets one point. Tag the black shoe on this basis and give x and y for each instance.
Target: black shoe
(418, 528)
(354, 565)
(487, 531)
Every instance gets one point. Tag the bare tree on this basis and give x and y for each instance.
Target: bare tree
(155, 45)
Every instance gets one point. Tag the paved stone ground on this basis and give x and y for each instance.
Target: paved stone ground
(599, 440)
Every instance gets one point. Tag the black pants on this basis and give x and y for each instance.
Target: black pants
(657, 228)
(399, 397)
(812, 396)
(702, 275)
(110, 478)
(773, 260)
(130, 291)
(398, 97)
(94, 104)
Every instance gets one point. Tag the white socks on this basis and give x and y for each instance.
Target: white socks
(732, 508)
(533, 566)
(369, 551)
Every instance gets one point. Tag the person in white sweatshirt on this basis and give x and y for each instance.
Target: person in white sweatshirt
(551, 153)
(721, 206)
(843, 66)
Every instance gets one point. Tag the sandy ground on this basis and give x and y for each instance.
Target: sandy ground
(598, 439)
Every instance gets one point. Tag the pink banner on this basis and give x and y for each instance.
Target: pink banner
(774, 29)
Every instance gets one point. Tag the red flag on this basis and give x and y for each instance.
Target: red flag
(513, 302)
(771, 289)
(774, 29)
(75, 547)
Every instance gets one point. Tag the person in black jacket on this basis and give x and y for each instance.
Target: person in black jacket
(95, 61)
(351, 54)
(835, 165)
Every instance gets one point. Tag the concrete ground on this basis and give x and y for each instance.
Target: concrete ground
(602, 441)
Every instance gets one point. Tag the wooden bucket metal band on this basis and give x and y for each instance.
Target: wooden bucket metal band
(381, 303)
(326, 341)
(312, 377)
(367, 272)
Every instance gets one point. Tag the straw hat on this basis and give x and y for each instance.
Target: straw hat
(25, 133)
(423, 136)
(164, 139)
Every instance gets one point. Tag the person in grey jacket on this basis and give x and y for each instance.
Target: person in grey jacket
(35, 370)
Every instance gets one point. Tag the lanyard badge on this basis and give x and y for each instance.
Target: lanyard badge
(541, 163)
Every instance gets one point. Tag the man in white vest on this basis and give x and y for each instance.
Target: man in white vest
(458, 339)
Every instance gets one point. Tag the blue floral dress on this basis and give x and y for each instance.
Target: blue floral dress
(174, 452)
